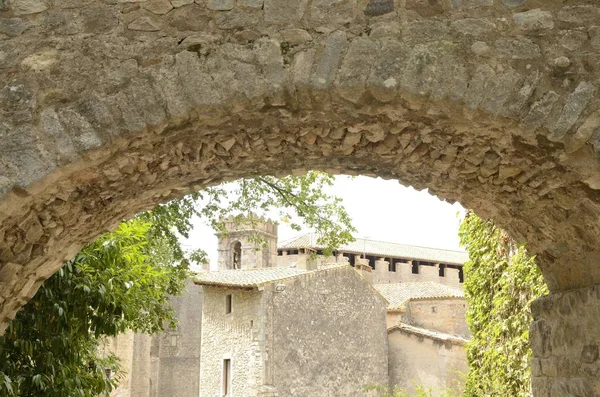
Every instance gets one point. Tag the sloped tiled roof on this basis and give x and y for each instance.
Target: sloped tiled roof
(252, 278)
(435, 335)
(384, 249)
(398, 294)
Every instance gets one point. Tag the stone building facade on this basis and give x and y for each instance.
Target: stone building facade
(419, 356)
(168, 364)
(254, 338)
(427, 332)
(294, 325)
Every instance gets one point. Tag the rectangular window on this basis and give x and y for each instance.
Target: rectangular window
(228, 300)
(226, 377)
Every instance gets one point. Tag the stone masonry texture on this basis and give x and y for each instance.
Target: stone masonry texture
(109, 107)
(329, 335)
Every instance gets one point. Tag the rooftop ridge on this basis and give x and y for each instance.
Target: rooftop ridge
(235, 278)
(377, 241)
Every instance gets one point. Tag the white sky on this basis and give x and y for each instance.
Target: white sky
(380, 210)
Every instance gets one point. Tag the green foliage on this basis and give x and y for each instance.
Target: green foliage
(291, 199)
(112, 285)
(501, 282)
(420, 391)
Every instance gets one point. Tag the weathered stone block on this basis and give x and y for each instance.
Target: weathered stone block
(196, 82)
(295, 36)
(238, 19)
(471, 3)
(251, 3)
(473, 27)
(589, 127)
(146, 24)
(425, 8)
(191, 17)
(518, 48)
(534, 20)
(589, 354)
(576, 104)
(25, 7)
(80, 131)
(181, 3)
(580, 14)
(284, 11)
(513, 3)
(354, 72)
(332, 12)
(540, 110)
(330, 61)
(220, 5)
(540, 338)
(9, 273)
(13, 26)
(425, 31)
(99, 19)
(159, 7)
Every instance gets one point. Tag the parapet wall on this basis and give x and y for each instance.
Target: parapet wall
(382, 273)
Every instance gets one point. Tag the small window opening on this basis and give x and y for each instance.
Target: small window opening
(442, 270)
(228, 300)
(433, 309)
(236, 259)
(392, 265)
(351, 259)
(461, 275)
(226, 377)
(251, 323)
(415, 267)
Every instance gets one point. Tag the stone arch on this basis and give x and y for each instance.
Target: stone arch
(110, 107)
(236, 255)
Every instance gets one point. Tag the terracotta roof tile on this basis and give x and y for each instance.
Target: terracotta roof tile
(398, 294)
(435, 335)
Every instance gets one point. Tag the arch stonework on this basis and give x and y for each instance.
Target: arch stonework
(109, 107)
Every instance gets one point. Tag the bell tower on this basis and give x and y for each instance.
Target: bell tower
(247, 243)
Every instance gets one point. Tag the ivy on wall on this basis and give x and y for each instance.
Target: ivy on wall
(501, 281)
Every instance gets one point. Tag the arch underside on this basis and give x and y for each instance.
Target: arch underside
(109, 109)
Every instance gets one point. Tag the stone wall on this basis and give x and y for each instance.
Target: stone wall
(178, 356)
(238, 336)
(329, 335)
(433, 362)
(381, 274)
(442, 315)
(566, 344)
(167, 364)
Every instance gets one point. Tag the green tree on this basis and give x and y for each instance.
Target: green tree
(112, 285)
(123, 281)
(296, 200)
(502, 280)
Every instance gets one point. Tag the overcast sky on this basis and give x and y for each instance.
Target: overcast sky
(380, 210)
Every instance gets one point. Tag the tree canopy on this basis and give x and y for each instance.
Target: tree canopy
(501, 281)
(123, 280)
